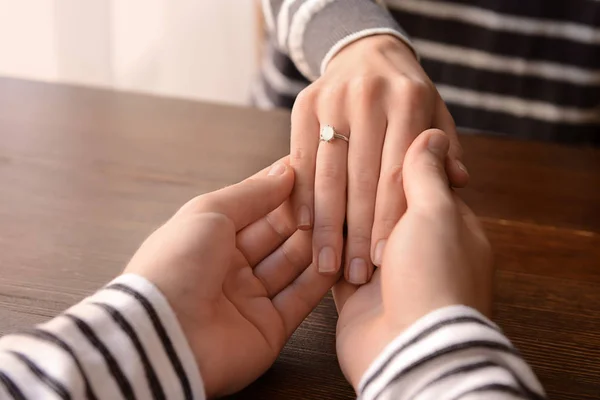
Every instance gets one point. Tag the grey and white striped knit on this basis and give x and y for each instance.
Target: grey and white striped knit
(125, 342)
(527, 69)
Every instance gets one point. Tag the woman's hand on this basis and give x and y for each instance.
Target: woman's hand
(237, 274)
(376, 93)
(437, 255)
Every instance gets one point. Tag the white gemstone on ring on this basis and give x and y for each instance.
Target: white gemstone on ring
(327, 133)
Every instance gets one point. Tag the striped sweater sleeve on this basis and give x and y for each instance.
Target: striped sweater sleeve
(311, 32)
(122, 342)
(452, 353)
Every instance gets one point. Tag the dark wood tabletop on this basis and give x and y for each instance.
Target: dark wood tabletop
(86, 175)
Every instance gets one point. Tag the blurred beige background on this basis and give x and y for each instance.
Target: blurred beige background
(200, 49)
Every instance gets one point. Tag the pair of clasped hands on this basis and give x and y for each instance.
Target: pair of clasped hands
(243, 266)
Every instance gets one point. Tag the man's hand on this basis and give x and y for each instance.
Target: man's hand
(437, 255)
(237, 274)
(375, 92)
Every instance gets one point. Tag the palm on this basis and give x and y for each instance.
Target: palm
(238, 275)
(248, 310)
(248, 321)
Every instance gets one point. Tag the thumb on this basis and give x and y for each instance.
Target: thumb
(425, 181)
(251, 199)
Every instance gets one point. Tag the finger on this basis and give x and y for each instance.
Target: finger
(259, 239)
(330, 188)
(303, 155)
(286, 263)
(424, 174)
(249, 200)
(195, 203)
(297, 300)
(411, 115)
(265, 170)
(368, 126)
(457, 172)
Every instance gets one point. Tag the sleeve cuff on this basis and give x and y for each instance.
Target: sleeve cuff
(123, 341)
(321, 28)
(445, 340)
(151, 316)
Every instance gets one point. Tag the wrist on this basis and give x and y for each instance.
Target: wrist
(383, 44)
(154, 322)
(429, 343)
(356, 358)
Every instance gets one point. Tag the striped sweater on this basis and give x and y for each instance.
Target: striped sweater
(124, 342)
(528, 69)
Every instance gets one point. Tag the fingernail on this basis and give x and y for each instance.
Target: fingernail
(326, 262)
(438, 144)
(358, 271)
(303, 218)
(378, 253)
(277, 169)
(462, 167)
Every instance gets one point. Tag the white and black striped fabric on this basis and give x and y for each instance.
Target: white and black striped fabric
(125, 342)
(528, 69)
(452, 353)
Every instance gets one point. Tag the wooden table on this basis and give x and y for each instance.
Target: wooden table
(86, 174)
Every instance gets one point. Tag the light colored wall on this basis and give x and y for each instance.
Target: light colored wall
(201, 49)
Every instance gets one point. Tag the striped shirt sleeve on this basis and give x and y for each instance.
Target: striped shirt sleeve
(452, 353)
(311, 32)
(123, 342)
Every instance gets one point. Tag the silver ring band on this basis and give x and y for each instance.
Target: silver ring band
(338, 136)
(328, 133)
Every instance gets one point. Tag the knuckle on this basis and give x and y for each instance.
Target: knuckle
(305, 102)
(267, 284)
(325, 227)
(417, 91)
(331, 94)
(366, 88)
(198, 204)
(281, 226)
(306, 97)
(215, 221)
(296, 258)
(206, 214)
(360, 235)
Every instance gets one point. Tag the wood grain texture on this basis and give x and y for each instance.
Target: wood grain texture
(86, 175)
